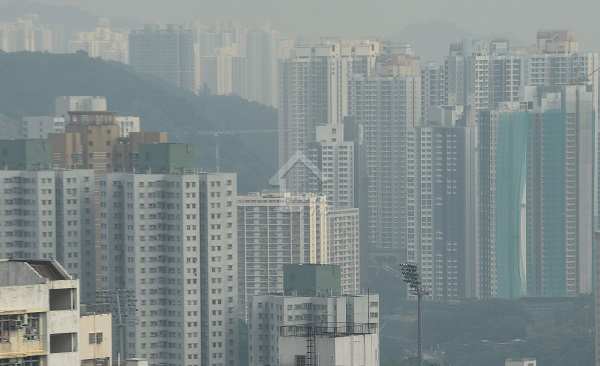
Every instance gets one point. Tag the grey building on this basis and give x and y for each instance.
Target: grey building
(441, 202)
(170, 249)
(275, 229)
(383, 108)
(49, 215)
(313, 87)
(164, 52)
(559, 188)
(313, 326)
(25, 154)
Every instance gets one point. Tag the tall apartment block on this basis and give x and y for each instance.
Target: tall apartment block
(457, 73)
(275, 229)
(164, 52)
(103, 42)
(219, 269)
(169, 244)
(503, 145)
(497, 75)
(25, 154)
(311, 323)
(344, 246)
(29, 215)
(559, 191)
(433, 89)
(558, 62)
(262, 66)
(87, 143)
(335, 160)
(27, 33)
(441, 201)
(76, 229)
(314, 92)
(50, 215)
(39, 325)
(40, 126)
(384, 107)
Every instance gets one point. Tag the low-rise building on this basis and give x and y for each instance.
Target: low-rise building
(95, 339)
(39, 314)
(315, 328)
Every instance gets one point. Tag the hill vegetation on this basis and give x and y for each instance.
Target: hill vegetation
(30, 82)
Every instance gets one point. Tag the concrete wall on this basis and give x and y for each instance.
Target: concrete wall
(63, 359)
(95, 323)
(357, 350)
(24, 299)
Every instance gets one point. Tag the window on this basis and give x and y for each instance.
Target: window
(63, 299)
(63, 342)
(95, 338)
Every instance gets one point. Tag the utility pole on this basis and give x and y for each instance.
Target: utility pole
(410, 275)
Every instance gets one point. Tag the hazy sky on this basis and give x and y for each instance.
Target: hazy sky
(380, 17)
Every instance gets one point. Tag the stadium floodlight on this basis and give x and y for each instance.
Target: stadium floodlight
(410, 275)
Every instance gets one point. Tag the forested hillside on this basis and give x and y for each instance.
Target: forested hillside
(29, 83)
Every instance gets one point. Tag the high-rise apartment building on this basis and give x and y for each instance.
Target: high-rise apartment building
(224, 72)
(219, 269)
(261, 66)
(384, 107)
(29, 215)
(275, 229)
(498, 75)
(40, 126)
(335, 160)
(433, 89)
(457, 73)
(559, 190)
(98, 134)
(103, 42)
(344, 246)
(441, 197)
(75, 227)
(313, 91)
(49, 215)
(164, 52)
(169, 242)
(503, 145)
(25, 154)
(28, 34)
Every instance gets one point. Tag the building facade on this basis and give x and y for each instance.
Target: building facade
(383, 108)
(275, 229)
(441, 204)
(317, 328)
(559, 187)
(172, 245)
(39, 325)
(164, 52)
(95, 339)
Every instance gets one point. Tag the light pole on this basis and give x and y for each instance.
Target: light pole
(410, 275)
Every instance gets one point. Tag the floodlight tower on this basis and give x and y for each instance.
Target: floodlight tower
(410, 275)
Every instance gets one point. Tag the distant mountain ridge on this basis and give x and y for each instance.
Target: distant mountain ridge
(30, 82)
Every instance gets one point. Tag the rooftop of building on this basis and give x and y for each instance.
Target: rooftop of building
(20, 272)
